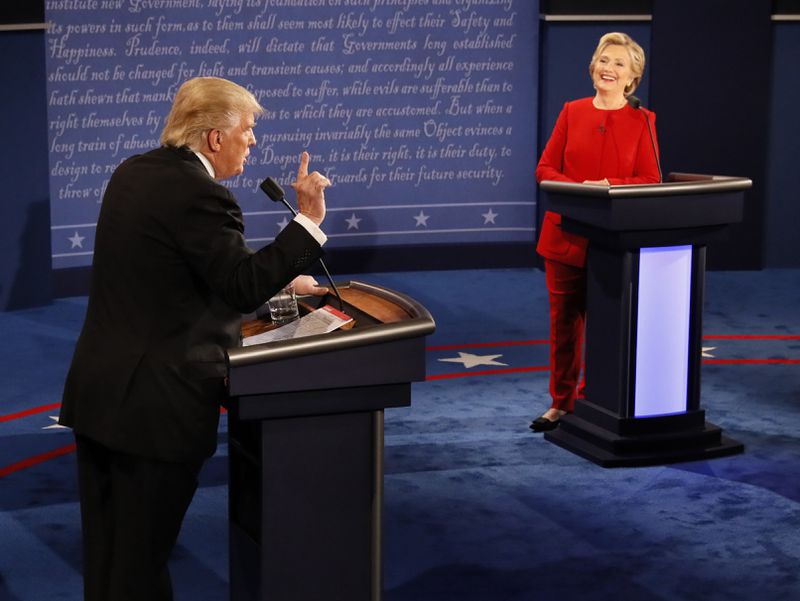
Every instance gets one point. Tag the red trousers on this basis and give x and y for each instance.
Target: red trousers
(566, 286)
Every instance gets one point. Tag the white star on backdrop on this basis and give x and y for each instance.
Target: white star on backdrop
(707, 351)
(284, 223)
(489, 217)
(352, 222)
(470, 360)
(54, 426)
(422, 219)
(77, 240)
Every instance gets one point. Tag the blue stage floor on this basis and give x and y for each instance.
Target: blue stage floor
(477, 508)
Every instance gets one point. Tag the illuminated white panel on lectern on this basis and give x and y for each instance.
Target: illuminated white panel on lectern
(662, 331)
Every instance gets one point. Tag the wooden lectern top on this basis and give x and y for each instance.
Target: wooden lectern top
(386, 346)
(380, 315)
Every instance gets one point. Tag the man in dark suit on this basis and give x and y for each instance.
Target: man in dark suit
(171, 277)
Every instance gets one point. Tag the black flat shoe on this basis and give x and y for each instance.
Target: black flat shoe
(542, 424)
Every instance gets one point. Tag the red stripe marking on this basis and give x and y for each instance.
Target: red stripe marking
(452, 347)
(750, 337)
(488, 372)
(491, 372)
(511, 370)
(42, 409)
(27, 412)
(36, 460)
(753, 361)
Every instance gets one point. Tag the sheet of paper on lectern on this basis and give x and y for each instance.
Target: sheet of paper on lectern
(323, 320)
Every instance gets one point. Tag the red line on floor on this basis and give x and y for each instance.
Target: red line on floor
(751, 337)
(752, 361)
(27, 412)
(488, 372)
(452, 347)
(511, 370)
(36, 460)
(43, 408)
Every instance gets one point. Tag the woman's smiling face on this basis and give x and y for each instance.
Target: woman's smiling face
(612, 70)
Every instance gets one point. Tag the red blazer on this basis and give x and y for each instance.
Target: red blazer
(589, 143)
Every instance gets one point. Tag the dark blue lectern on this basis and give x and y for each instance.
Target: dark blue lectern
(305, 432)
(646, 273)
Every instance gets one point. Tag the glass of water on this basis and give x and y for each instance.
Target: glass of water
(283, 306)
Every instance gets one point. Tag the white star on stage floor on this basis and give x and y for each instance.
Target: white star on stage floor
(352, 223)
(54, 426)
(77, 240)
(284, 223)
(422, 219)
(489, 217)
(470, 360)
(706, 351)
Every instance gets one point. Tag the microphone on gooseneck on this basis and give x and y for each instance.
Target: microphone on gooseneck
(273, 189)
(637, 104)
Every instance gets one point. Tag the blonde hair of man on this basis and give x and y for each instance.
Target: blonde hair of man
(205, 103)
(635, 51)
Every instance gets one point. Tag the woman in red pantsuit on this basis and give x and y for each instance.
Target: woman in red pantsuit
(599, 140)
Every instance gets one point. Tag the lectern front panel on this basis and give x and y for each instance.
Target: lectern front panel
(662, 330)
(305, 427)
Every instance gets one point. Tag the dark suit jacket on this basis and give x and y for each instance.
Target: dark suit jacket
(171, 277)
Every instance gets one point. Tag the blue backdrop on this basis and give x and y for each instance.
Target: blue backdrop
(421, 112)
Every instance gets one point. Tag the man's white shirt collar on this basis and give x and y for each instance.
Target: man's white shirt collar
(206, 163)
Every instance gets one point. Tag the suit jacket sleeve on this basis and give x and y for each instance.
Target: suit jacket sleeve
(211, 237)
